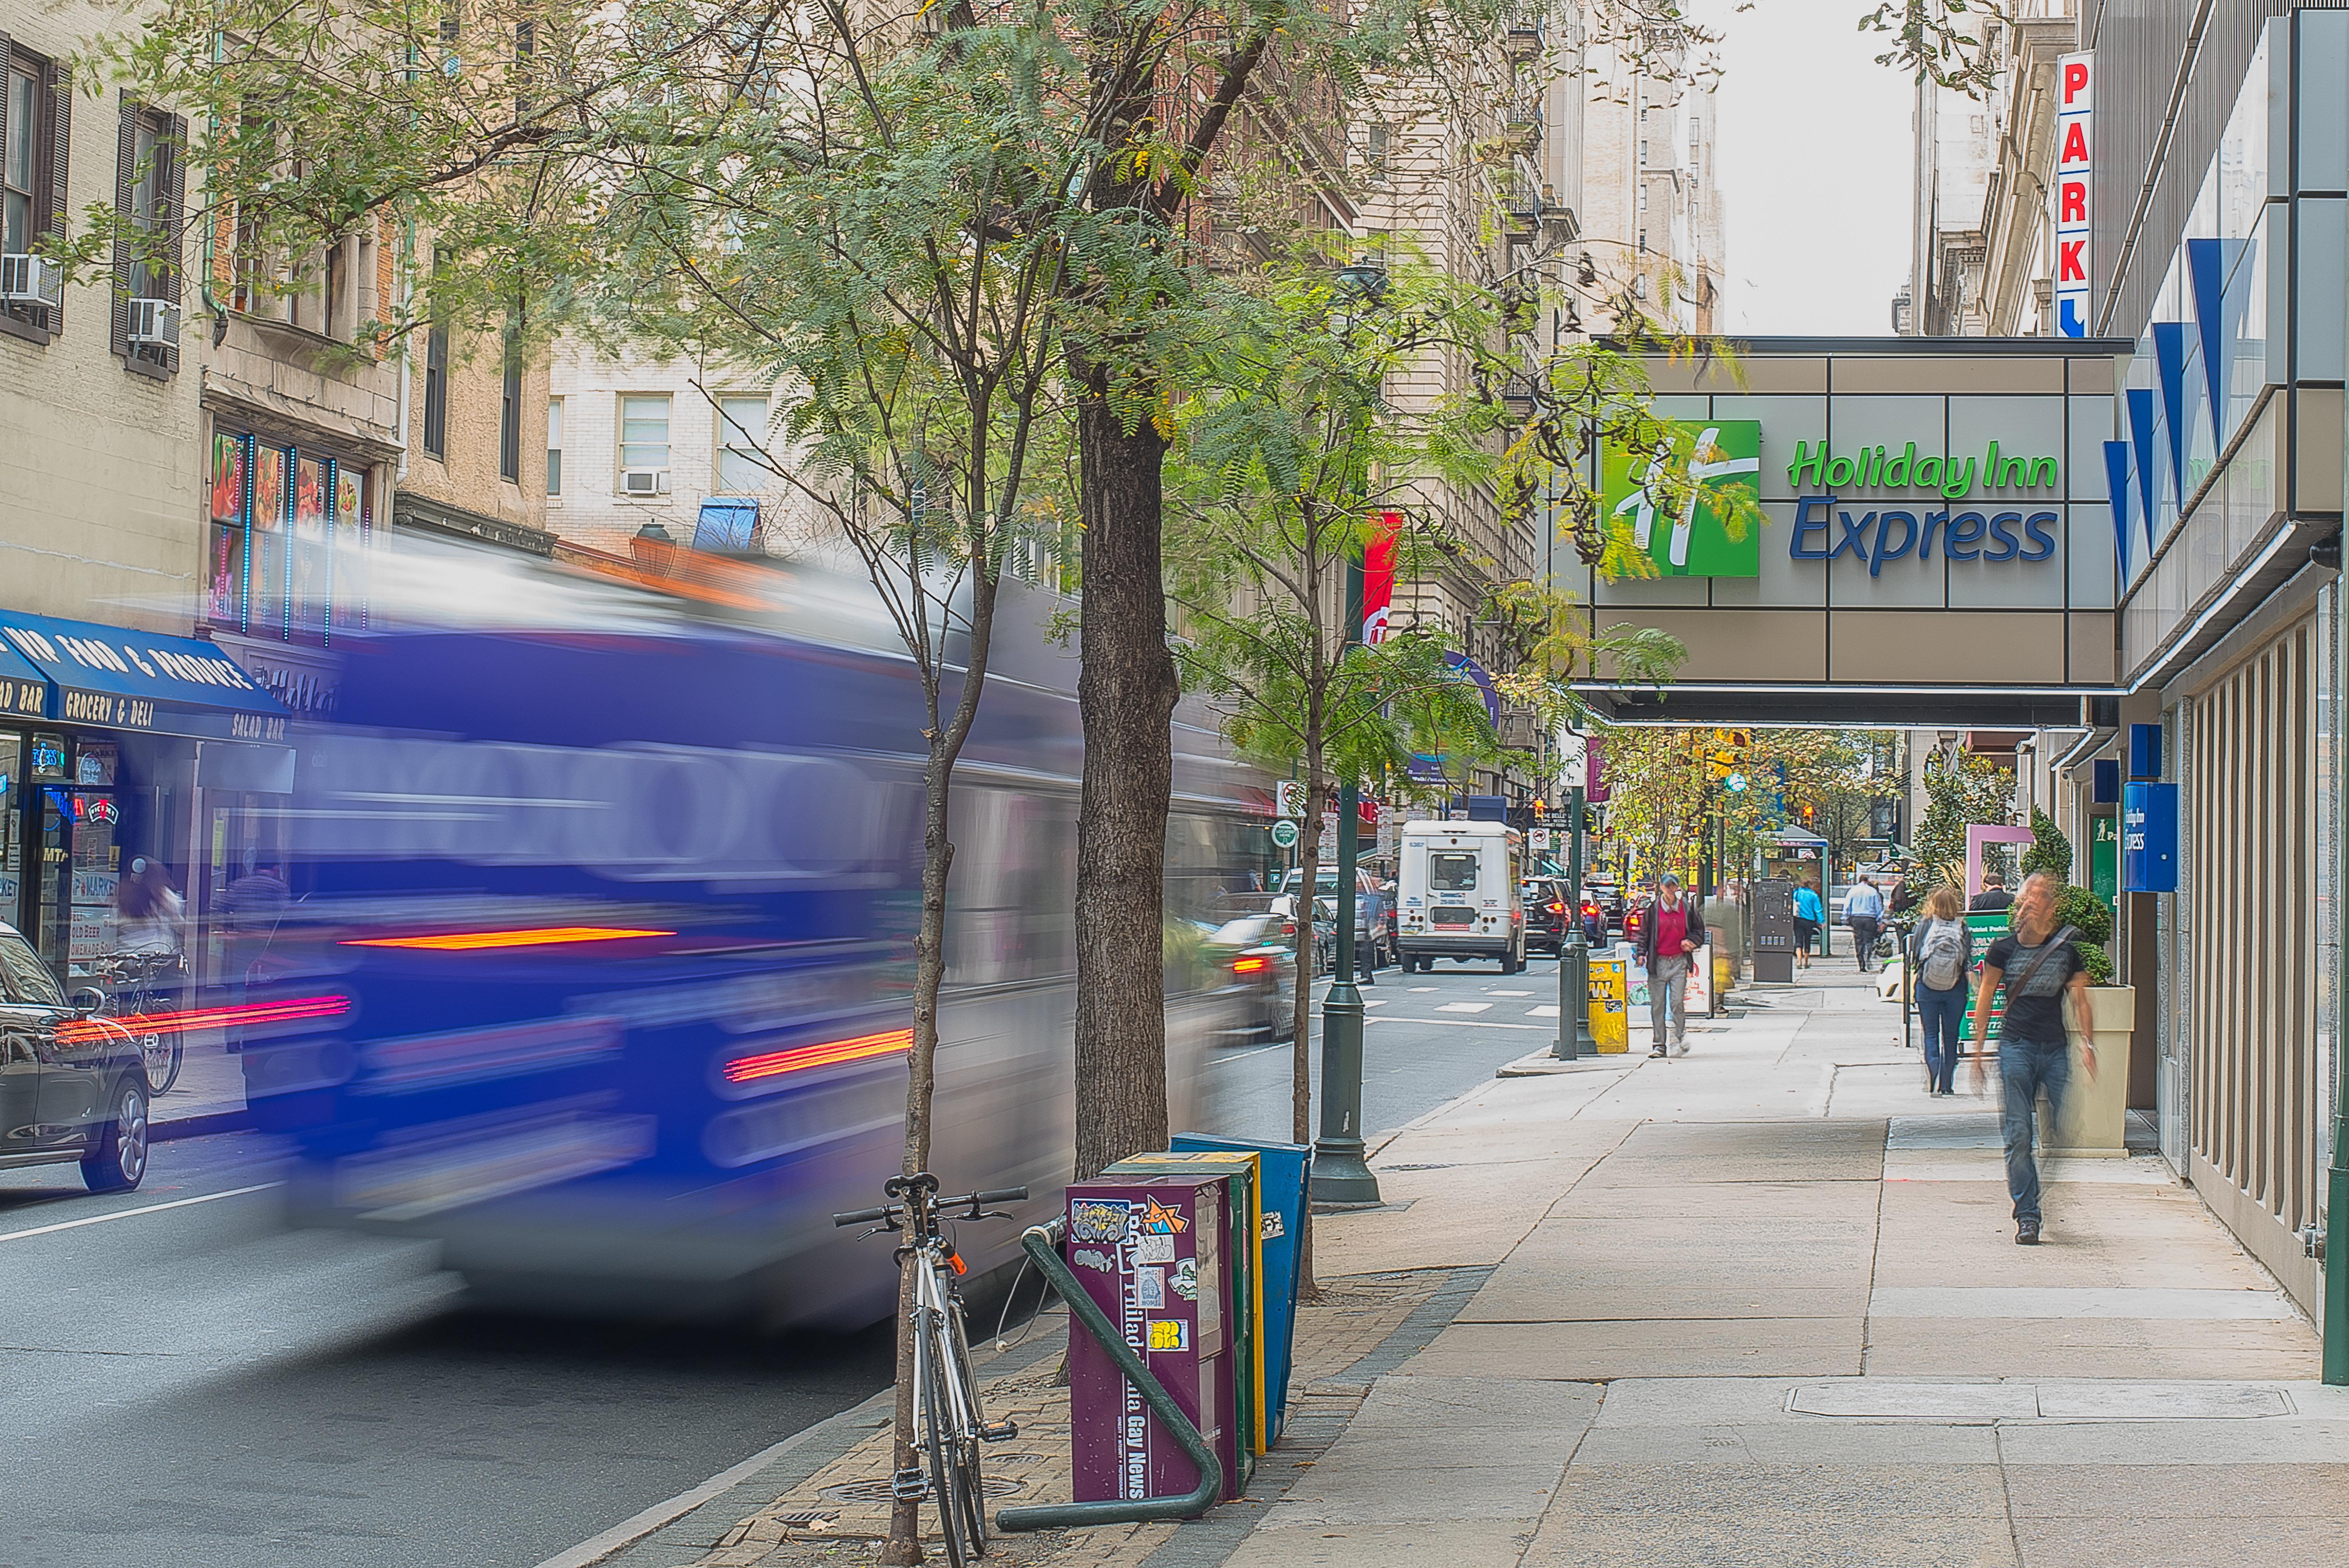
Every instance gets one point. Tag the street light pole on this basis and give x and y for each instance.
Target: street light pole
(1574, 1040)
(1340, 1173)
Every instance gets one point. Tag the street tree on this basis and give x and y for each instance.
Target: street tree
(1961, 789)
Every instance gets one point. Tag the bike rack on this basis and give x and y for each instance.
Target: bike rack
(1041, 1244)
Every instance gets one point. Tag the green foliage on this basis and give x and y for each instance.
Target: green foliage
(2050, 851)
(2076, 906)
(1960, 791)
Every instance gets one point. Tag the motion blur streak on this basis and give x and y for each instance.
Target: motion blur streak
(831, 1054)
(469, 941)
(243, 1017)
(530, 776)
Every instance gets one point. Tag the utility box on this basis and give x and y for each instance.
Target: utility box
(1773, 932)
(1153, 1253)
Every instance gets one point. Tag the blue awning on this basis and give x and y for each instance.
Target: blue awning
(23, 689)
(115, 678)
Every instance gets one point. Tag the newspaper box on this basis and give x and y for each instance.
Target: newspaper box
(1284, 1168)
(1152, 1251)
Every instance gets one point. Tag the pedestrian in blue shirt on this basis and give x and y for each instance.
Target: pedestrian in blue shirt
(1863, 911)
(1809, 915)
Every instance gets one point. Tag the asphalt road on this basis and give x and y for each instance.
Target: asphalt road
(1416, 1054)
(186, 1382)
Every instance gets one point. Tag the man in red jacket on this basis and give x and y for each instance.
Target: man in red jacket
(1670, 936)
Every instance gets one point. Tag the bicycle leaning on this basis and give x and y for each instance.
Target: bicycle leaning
(947, 1420)
(137, 987)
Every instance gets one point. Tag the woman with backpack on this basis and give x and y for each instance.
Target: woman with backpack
(1939, 950)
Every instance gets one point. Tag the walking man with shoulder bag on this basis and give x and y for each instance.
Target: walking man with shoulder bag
(2033, 1053)
(1671, 939)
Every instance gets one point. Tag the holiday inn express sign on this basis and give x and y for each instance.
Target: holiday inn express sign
(1904, 514)
(1923, 499)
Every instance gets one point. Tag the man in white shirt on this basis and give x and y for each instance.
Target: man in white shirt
(1863, 911)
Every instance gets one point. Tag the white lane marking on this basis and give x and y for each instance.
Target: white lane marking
(128, 1214)
(1375, 1002)
(1465, 1008)
(1417, 989)
(1548, 1012)
(1509, 992)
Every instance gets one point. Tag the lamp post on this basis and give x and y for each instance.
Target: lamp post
(1340, 1173)
(1574, 1040)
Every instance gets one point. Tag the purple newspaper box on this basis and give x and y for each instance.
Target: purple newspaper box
(1152, 1254)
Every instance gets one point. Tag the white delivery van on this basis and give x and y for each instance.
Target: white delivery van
(1458, 896)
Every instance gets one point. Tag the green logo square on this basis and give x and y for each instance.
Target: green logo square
(1714, 530)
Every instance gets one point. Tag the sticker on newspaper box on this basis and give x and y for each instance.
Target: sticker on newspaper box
(1170, 1334)
(1150, 1289)
(1153, 1249)
(1186, 1279)
(1099, 1219)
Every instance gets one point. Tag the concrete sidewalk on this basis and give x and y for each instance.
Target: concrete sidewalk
(1762, 1304)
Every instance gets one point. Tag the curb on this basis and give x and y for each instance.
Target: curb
(202, 1126)
(1541, 1064)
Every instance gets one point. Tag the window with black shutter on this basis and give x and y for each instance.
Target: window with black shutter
(35, 125)
(436, 391)
(510, 404)
(150, 204)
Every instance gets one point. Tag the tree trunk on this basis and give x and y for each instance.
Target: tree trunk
(1126, 690)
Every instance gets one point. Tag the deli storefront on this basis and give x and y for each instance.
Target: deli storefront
(111, 741)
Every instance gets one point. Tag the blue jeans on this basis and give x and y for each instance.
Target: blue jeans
(2024, 1068)
(1939, 1012)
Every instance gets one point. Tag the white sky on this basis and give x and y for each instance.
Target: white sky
(1814, 169)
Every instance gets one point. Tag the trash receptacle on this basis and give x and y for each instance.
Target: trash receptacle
(1153, 1253)
(1286, 1170)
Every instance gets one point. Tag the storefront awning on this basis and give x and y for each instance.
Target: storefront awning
(111, 677)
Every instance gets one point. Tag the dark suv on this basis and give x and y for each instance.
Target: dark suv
(1546, 914)
(71, 1085)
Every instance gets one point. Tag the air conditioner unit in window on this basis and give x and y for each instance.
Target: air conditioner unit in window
(154, 324)
(644, 482)
(31, 280)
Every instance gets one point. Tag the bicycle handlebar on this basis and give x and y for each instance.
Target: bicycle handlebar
(888, 1214)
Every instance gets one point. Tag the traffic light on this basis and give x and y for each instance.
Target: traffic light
(1541, 806)
(1810, 813)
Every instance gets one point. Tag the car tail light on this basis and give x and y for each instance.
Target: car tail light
(1558, 909)
(1249, 965)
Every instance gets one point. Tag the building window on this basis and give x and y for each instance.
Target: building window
(436, 391)
(643, 443)
(36, 111)
(742, 433)
(554, 446)
(510, 404)
(151, 192)
(1643, 154)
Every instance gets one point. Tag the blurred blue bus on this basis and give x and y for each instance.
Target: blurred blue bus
(600, 968)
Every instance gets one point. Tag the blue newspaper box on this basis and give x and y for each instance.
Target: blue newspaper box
(1285, 1170)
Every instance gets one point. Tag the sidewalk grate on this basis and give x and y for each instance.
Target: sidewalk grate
(878, 1489)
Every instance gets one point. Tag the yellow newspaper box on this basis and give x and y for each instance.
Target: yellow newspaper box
(1610, 1024)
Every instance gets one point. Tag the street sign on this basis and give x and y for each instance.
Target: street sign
(1734, 783)
(1541, 840)
(1284, 834)
(1289, 800)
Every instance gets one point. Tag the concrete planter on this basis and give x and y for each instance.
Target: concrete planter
(2095, 1111)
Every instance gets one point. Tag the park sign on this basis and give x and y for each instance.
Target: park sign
(1711, 530)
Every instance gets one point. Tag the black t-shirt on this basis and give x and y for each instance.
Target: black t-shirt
(2037, 1013)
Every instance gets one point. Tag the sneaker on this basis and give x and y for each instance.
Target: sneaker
(1657, 1052)
(1679, 1048)
(2026, 1233)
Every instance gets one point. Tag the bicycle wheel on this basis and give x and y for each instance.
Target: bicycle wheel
(945, 1450)
(973, 1497)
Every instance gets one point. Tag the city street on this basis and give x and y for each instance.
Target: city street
(255, 1399)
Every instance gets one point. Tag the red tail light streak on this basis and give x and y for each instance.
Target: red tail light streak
(250, 1014)
(831, 1054)
(1249, 965)
(533, 936)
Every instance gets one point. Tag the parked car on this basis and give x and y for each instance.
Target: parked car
(71, 1083)
(1607, 894)
(1373, 914)
(1253, 951)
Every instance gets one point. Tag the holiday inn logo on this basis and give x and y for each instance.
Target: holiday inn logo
(1707, 527)
(1874, 467)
